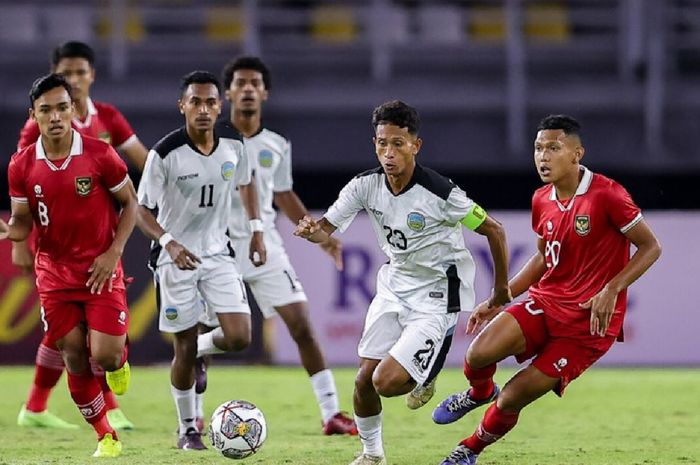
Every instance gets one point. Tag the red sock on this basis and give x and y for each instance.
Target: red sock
(49, 366)
(110, 399)
(87, 395)
(493, 427)
(481, 380)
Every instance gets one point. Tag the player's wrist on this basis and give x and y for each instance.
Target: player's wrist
(256, 225)
(165, 239)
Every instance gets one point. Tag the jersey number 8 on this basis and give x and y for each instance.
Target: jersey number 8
(43, 213)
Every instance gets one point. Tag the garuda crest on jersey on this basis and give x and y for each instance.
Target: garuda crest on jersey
(582, 224)
(83, 185)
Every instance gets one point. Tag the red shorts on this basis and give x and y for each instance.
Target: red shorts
(62, 311)
(559, 352)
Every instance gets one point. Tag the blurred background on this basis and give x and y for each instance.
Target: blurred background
(481, 74)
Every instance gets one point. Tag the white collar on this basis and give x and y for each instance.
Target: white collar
(580, 190)
(92, 110)
(76, 149)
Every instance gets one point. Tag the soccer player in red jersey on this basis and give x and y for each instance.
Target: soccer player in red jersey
(75, 61)
(577, 283)
(66, 185)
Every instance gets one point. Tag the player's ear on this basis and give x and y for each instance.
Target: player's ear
(417, 145)
(579, 152)
(181, 106)
(264, 95)
(32, 116)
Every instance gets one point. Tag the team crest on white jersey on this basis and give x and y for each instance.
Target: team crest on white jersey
(265, 158)
(227, 170)
(582, 224)
(416, 221)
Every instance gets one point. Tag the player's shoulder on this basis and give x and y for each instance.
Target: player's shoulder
(542, 193)
(225, 130)
(434, 182)
(93, 144)
(172, 141)
(23, 155)
(105, 109)
(370, 174)
(601, 183)
(271, 135)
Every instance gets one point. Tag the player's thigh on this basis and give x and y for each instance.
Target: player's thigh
(275, 284)
(179, 305)
(382, 329)
(107, 317)
(423, 340)
(59, 314)
(528, 385)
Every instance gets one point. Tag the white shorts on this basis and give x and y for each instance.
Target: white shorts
(414, 339)
(182, 294)
(273, 284)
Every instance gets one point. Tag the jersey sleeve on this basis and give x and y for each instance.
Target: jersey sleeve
(458, 207)
(15, 178)
(113, 170)
(282, 180)
(153, 180)
(345, 208)
(623, 213)
(243, 174)
(121, 130)
(536, 227)
(28, 134)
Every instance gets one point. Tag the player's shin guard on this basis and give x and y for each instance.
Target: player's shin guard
(49, 367)
(87, 395)
(493, 427)
(480, 380)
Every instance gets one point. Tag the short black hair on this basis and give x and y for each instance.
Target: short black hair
(566, 123)
(198, 77)
(246, 62)
(45, 84)
(397, 113)
(73, 49)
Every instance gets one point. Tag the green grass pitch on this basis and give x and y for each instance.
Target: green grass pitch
(609, 416)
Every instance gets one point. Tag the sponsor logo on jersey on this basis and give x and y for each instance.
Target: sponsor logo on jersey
(265, 158)
(561, 363)
(436, 294)
(376, 212)
(227, 170)
(171, 313)
(416, 221)
(122, 317)
(37, 190)
(185, 177)
(105, 136)
(582, 225)
(550, 226)
(83, 185)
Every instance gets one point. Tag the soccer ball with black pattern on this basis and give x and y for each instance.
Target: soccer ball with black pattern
(237, 429)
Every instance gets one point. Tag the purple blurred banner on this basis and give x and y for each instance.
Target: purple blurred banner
(661, 323)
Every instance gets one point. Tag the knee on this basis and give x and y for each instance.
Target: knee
(508, 401)
(75, 358)
(363, 381)
(388, 385)
(236, 342)
(109, 361)
(476, 357)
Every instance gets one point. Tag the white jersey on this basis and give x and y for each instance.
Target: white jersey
(418, 229)
(270, 159)
(193, 192)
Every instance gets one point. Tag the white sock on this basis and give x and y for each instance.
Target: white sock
(199, 405)
(323, 385)
(184, 404)
(370, 429)
(205, 343)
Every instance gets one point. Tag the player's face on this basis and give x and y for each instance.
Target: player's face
(556, 155)
(247, 91)
(79, 74)
(201, 105)
(53, 112)
(396, 148)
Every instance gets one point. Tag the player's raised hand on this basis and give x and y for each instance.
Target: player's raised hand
(307, 227)
(334, 248)
(183, 258)
(258, 252)
(482, 314)
(102, 271)
(602, 307)
(4, 229)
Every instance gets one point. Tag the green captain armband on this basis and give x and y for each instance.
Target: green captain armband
(474, 218)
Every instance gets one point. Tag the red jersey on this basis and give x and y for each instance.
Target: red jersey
(103, 122)
(72, 206)
(585, 246)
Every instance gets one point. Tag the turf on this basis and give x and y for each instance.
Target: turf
(620, 417)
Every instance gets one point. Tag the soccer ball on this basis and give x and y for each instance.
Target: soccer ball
(237, 429)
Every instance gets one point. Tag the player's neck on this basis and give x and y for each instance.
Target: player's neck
(203, 140)
(398, 182)
(57, 148)
(81, 108)
(566, 187)
(248, 125)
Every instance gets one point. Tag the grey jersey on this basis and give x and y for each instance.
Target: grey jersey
(418, 229)
(269, 156)
(193, 192)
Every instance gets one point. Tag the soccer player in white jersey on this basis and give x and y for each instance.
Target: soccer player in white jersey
(275, 285)
(416, 214)
(190, 177)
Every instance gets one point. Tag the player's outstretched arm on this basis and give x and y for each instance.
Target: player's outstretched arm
(314, 231)
(496, 236)
(292, 206)
(602, 304)
(103, 266)
(20, 224)
(249, 197)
